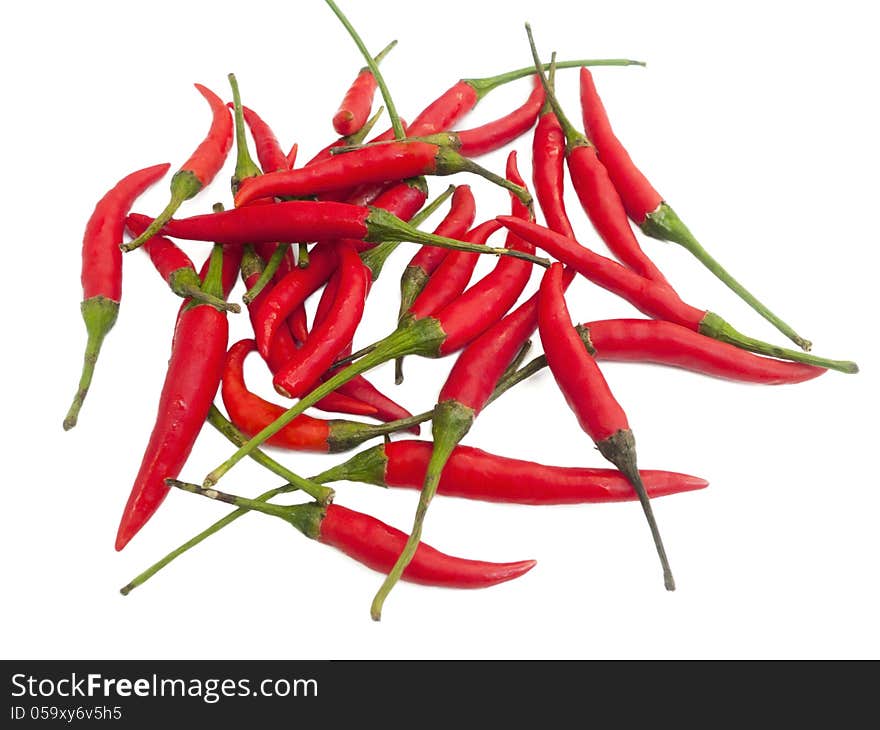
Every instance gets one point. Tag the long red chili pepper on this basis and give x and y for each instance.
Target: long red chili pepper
(199, 169)
(355, 106)
(589, 397)
(475, 474)
(597, 195)
(250, 413)
(328, 338)
(383, 163)
(646, 207)
(499, 132)
(102, 271)
(177, 269)
(653, 299)
(447, 110)
(194, 370)
(455, 412)
(374, 543)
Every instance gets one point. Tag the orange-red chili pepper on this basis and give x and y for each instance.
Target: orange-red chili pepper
(588, 395)
(476, 474)
(646, 207)
(269, 151)
(102, 271)
(202, 166)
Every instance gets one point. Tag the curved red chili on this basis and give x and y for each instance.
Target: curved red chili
(250, 413)
(589, 397)
(499, 132)
(328, 338)
(194, 369)
(355, 106)
(475, 474)
(548, 157)
(102, 271)
(269, 151)
(374, 543)
(202, 166)
(647, 208)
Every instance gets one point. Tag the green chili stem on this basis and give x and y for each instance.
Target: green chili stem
(399, 132)
(245, 166)
(266, 275)
(302, 255)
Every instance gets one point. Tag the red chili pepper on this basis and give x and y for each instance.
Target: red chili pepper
(329, 337)
(291, 156)
(447, 110)
(428, 258)
(269, 151)
(177, 269)
(250, 413)
(598, 197)
(387, 162)
(646, 207)
(665, 343)
(102, 271)
(197, 354)
(496, 134)
(653, 299)
(589, 397)
(374, 543)
(355, 139)
(283, 349)
(463, 320)
(355, 107)
(475, 474)
(199, 169)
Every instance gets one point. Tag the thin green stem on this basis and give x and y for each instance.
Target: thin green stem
(322, 494)
(399, 132)
(485, 85)
(201, 537)
(573, 137)
(245, 166)
(271, 268)
(302, 255)
(379, 57)
(517, 360)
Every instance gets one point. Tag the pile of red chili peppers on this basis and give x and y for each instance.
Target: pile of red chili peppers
(347, 209)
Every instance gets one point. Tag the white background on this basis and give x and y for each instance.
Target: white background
(758, 122)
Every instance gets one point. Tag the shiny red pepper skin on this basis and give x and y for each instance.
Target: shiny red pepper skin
(269, 152)
(443, 113)
(295, 221)
(548, 161)
(601, 202)
(475, 474)
(638, 195)
(291, 292)
(665, 343)
(577, 374)
(101, 257)
(101, 275)
(355, 105)
(250, 413)
(208, 158)
(452, 276)
(377, 546)
(485, 302)
(383, 163)
(496, 134)
(327, 339)
(651, 298)
(167, 257)
(194, 370)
